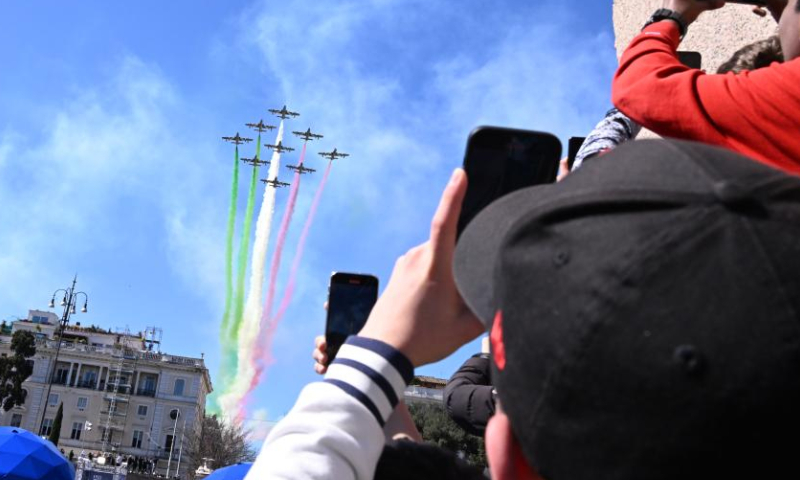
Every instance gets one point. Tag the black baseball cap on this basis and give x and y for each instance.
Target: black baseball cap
(645, 315)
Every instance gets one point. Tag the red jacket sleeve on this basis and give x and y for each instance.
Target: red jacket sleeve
(754, 113)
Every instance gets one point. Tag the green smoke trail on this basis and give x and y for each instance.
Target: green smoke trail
(226, 317)
(244, 245)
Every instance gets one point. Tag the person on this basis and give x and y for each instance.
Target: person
(617, 128)
(760, 54)
(753, 113)
(469, 395)
(643, 316)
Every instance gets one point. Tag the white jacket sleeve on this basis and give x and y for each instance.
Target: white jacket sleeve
(335, 430)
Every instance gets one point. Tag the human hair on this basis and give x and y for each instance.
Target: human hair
(757, 55)
(403, 459)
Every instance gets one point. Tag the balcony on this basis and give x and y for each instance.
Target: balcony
(88, 384)
(146, 392)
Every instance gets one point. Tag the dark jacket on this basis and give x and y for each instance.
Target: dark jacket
(469, 395)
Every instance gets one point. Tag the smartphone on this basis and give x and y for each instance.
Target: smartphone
(575, 144)
(499, 161)
(351, 297)
(691, 59)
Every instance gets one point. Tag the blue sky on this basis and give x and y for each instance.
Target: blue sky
(111, 164)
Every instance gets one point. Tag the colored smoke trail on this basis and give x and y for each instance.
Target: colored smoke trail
(230, 400)
(298, 255)
(279, 243)
(226, 318)
(263, 354)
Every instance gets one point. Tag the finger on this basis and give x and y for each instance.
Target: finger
(760, 11)
(320, 357)
(320, 369)
(563, 169)
(320, 343)
(325, 305)
(445, 220)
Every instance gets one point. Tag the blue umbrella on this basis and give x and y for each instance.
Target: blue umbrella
(24, 456)
(233, 472)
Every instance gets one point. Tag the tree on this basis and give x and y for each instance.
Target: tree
(226, 443)
(438, 428)
(55, 430)
(15, 369)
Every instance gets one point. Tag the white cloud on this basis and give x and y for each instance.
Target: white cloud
(109, 149)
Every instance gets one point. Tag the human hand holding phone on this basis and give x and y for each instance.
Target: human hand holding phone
(421, 313)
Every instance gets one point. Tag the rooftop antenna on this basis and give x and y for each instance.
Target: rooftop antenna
(152, 339)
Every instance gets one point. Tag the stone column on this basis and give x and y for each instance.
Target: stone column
(78, 373)
(68, 381)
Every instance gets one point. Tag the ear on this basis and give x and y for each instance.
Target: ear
(505, 456)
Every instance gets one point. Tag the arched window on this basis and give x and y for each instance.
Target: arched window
(179, 384)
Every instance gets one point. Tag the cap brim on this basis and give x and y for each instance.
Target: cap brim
(478, 248)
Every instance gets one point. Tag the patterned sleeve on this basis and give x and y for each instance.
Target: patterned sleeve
(616, 128)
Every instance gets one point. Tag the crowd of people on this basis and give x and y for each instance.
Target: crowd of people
(643, 312)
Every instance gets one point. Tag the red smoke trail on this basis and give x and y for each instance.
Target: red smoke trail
(287, 296)
(262, 354)
(278, 253)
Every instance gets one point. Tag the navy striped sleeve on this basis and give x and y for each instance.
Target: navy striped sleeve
(373, 373)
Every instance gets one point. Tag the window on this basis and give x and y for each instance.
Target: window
(53, 400)
(60, 377)
(149, 384)
(179, 384)
(142, 411)
(47, 427)
(168, 443)
(77, 428)
(16, 420)
(138, 435)
(83, 402)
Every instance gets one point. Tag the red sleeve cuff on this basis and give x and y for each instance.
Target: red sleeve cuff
(666, 29)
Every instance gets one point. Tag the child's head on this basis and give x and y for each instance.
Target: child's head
(754, 56)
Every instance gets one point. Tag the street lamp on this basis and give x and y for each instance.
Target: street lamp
(69, 301)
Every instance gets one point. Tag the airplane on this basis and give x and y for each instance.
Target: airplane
(237, 139)
(300, 169)
(255, 161)
(334, 155)
(283, 113)
(260, 126)
(307, 135)
(279, 147)
(275, 183)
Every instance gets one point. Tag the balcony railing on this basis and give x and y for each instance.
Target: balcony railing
(90, 384)
(146, 392)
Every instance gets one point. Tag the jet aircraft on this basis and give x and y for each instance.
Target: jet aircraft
(260, 127)
(283, 113)
(275, 183)
(307, 135)
(300, 169)
(237, 139)
(334, 155)
(279, 147)
(255, 161)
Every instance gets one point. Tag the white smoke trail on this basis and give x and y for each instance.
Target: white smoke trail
(231, 401)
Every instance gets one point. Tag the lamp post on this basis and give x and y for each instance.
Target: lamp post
(68, 302)
(176, 414)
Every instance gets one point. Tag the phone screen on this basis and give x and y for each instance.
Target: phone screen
(575, 144)
(691, 59)
(350, 300)
(501, 160)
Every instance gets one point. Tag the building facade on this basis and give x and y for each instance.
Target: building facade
(120, 394)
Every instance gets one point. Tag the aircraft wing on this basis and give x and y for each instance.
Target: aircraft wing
(315, 135)
(344, 155)
(311, 170)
